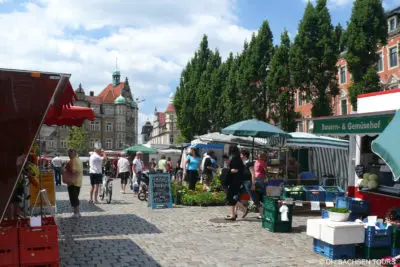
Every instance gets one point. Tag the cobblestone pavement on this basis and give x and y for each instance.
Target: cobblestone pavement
(128, 233)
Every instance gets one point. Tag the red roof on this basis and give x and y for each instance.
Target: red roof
(93, 100)
(390, 91)
(109, 94)
(170, 108)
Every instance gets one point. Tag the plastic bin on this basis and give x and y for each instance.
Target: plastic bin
(279, 227)
(396, 237)
(275, 216)
(324, 214)
(355, 205)
(314, 193)
(376, 252)
(378, 238)
(333, 192)
(9, 233)
(288, 192)
(334, 252)
(271, 203)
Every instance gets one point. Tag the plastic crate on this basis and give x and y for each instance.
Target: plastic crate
(334, 252)
(277, 227)
(375, 252)
(275, 216)
(296, 195)
(8, 234)
(33, 236)
(354, 205)
(331, 196)
(314, 193)
(354, 216)
(9, 255)
(378, 238)
(271, 203)
(324, 214)
(395, 252)
(396, 237)
(39, 254)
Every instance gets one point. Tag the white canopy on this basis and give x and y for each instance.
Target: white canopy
(306, 140)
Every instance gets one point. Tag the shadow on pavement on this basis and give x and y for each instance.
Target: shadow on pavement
(61, 188)
(103, 252)
(64, 206)
(105, 225)
(299, 229)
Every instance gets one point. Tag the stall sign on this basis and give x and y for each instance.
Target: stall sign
(160, 190)
(353, 125)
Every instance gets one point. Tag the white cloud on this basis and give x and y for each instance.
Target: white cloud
(153, 40)
(334, 3)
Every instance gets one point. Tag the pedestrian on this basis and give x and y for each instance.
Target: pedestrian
(96, 173)
(73, 178)
(258, 183)
(169, 164)
(153, 165)
(57, 165)
(192, 168)
(162, 164)
(234, 183)
(123, 172)
(137, 167)
(247, 179)
(225, 158)
(207, 170)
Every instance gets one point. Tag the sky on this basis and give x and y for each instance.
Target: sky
(151, 40)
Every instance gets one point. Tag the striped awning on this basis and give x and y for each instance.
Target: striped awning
(307, 140)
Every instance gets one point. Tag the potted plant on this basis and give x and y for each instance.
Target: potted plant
(339, 214)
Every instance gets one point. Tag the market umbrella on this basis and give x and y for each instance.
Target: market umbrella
(386, 145)
(254, 128)
(146, 150)
(69, 116)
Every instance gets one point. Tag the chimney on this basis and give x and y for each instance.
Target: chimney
(91, 93)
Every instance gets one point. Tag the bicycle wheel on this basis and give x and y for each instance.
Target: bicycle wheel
(142, 196)
(109, 195)
(102, 192)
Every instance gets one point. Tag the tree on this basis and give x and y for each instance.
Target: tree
(280, 91)
(313, 58)
(77, 139)
(367, 29)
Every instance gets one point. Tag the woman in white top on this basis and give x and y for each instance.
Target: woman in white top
(96, 173)
(123, 172)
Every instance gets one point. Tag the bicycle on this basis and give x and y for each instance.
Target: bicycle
(106, 189)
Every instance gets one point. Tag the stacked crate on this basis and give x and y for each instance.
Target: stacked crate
(314, 193)
(396, 241)
(377, 242)
(272, 217)
(293, 192)
(358, 208)
(332, 193)
(335, 240)
(9, 243)
(39, 245)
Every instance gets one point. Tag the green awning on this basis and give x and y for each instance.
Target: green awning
(372, 123)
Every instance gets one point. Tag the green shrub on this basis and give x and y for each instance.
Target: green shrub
(203, 198)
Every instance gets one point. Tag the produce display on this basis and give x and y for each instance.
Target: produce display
(370, 181)
(332, 189)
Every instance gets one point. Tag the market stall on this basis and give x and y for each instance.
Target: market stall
(375, 111)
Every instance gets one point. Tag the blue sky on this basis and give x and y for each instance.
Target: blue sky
(152, 39)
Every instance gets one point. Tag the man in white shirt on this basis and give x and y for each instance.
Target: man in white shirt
(57, 164)
(96, 173)
(123, 172)
(137, 166)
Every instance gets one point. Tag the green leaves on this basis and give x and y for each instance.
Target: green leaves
(77, 139)
(366, 30)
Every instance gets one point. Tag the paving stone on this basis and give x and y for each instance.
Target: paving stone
(128, 233)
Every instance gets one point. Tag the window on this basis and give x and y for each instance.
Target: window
(392, 24)
(380, 62)
(171, 139)
(109, 110)
(63, 143)
(342, 74)
(300, 126)
(393, 56)
(300, 99)
(93, 142)
(343, 106)
(51, 143)
(109, 127)
(109, 143)
(308, 126)
(95, 126)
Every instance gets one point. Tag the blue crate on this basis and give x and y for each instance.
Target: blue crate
(353, 204)
(324, 214)
(354, 216)
(334, 252)
(318, 195)
(395, 252)
(331, 196)
(378, 238)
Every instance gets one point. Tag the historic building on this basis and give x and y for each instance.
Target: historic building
(116, 118)
(388, 71)
(164, 130)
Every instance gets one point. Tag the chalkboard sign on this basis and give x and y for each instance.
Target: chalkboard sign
(360, 170)
(160, 190)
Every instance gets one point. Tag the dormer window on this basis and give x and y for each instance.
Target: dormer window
(392, 24)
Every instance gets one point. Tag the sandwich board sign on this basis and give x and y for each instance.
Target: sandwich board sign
(160, 190)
